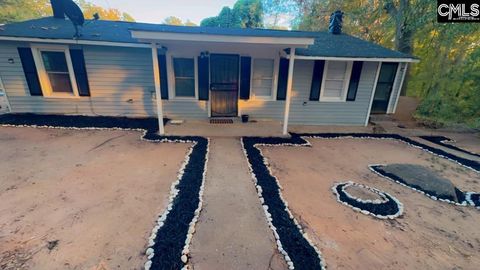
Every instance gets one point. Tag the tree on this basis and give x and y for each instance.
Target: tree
(111, 14)
(245, 14)
(250, 13)
(227, 18)
(21, 10)
(172, 20)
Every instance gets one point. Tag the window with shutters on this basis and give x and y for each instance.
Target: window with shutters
(263, 78)
(55, 71)
(184, 77)
(336, 77)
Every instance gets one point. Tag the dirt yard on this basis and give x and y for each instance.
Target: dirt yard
(430, 234)
(81, 199)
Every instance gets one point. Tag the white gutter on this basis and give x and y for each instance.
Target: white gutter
(77, 42)
(366, 59)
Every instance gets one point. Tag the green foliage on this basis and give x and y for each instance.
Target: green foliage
(244, 14)
(447, 78)
(21, 10)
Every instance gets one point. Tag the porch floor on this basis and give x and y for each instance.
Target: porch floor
(260, 128)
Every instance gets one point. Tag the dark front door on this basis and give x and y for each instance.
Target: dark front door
(384, 87)
(223, 84)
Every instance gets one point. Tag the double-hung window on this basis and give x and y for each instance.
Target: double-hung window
(336, 77)
(262, 78)
(55, 70)
(184, 77)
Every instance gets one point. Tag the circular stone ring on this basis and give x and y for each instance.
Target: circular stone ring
(387, 207)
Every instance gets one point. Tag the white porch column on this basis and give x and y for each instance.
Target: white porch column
(158, 94)
(289, 90)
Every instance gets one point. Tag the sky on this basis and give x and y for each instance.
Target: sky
(155, 11)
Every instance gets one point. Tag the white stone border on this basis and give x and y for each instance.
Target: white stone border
(395, 139)
(265, 207)
(173, 188)
(377, 201)
(464, 203)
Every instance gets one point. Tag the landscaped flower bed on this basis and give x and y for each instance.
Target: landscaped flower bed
(388, 207)
(292, 242)
(170, 239)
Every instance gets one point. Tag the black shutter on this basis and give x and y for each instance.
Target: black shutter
(245, 74)
(78, 62)
(317, 77)
(30, 71)
(162, 63)
(203, 78)
(354, 80)
(282, 79)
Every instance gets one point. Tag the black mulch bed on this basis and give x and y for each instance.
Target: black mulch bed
(149, 124)
(171, 236)
(475, 199)
(302, 254)
(460, 194)
(463, 161)
(440, 140)
(388, 208)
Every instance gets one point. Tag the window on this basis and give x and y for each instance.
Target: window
(184, 72)
(335, 80)
(56, 68)
(55, 71)
(262, 79)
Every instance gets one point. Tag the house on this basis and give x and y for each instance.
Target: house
(180, 72)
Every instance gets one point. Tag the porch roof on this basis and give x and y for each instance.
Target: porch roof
(119, 33)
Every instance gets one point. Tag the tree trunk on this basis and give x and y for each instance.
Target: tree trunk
(403, 33)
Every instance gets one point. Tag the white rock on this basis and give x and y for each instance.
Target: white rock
(184, 258)
(149, 251)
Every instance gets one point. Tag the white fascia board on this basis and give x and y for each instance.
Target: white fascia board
(76, 42)
(366, 59)
(164, 36)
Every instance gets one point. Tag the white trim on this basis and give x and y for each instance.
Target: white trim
(348, 74)
(76, 42)
(158, 93)
(395, 82)
(171, 76)
(290, 41)
(289, 90)
(42, 73)
(2, 88)
(273, 92)
(373, 93)
(400, 87)
(365, 59)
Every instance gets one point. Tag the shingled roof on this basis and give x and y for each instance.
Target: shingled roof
(326, 44)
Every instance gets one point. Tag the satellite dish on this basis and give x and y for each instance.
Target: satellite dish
(74, 13)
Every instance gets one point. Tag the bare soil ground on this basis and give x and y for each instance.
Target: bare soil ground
(81, 199)
(430, 234)
(232, 232)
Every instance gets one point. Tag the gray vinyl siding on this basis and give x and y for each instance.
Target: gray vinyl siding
(307, 112)
(121, 84)
(120, 79)
(303, 111)
(396, 88)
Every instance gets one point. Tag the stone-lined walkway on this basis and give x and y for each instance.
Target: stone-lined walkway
(232, 232)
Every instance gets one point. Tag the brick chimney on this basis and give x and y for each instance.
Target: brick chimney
(58, 10)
